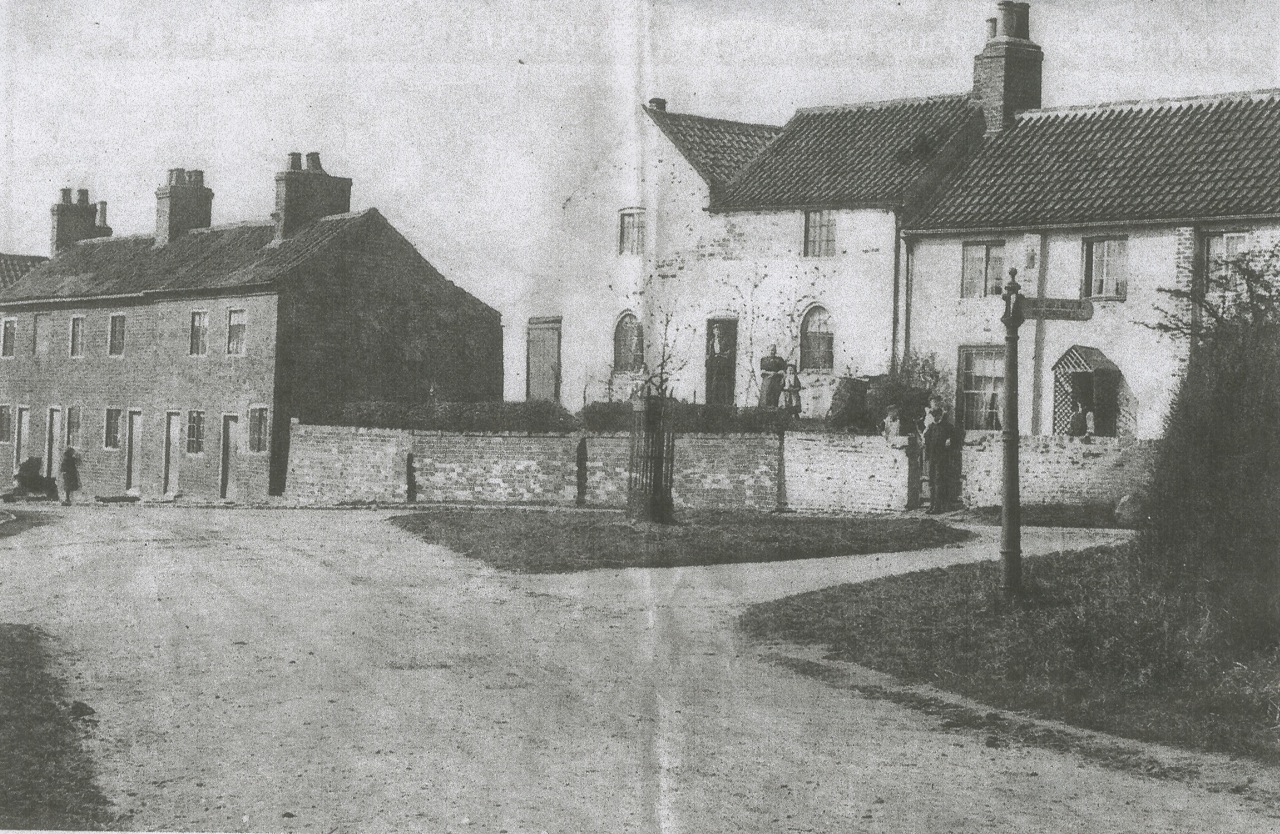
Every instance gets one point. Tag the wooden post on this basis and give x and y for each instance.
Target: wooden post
(1011, 512)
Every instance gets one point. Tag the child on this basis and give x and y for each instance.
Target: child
(791, 391)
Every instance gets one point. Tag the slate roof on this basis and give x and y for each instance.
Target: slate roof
(13, 267)
(203, 260)
(850, 156)
(716, 148)
(1201, 158)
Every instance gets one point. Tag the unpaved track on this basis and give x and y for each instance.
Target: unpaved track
(248, 664)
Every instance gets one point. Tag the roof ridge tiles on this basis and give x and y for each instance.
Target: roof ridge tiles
(1113, 107)
(885, 103)
(716, 119)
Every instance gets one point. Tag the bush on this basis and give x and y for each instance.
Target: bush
(533, 417)
(607, 417)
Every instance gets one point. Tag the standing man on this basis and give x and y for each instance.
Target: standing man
(939, 446)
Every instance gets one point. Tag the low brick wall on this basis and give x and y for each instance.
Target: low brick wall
(335, 464)
(495, 468)
(608, 465)
(847, 473)
(726, 471)
(1057, 470)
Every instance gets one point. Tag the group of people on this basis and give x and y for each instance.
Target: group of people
(29, 480)
(779, 383)
(941, 443)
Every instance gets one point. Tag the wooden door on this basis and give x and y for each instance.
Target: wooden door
(225, 485)
(20, 439)
(542, 360)
(52, 450)
(131, 453)
(172, 437)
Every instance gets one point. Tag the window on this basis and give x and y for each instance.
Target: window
(40, 334)
(77, 335)
(10, 336)
(1105, 265)
(115, 347)
(631, 232)
(73, 426)
(628, 345)
(819, 234)
(817, 342)
(6, 424)
(982, 272)
(111, 437)
(1220, 251)
(199, 334)
(235, 333)
(981, 386)
(258, 431)
(195, 432)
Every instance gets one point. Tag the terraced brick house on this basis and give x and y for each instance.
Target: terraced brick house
(175, 361)
(855, 235)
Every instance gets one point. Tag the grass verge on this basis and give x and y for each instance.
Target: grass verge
(1095, 646)
(557, 542)
(1049, 515)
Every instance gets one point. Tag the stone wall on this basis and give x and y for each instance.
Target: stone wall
(848, 473)
(1056, 469)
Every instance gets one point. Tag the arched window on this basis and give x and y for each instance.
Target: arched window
(628, 345)
(817, 342)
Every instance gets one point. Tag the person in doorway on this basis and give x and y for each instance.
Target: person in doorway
(939, 446)
(1079, 423)
(791, 391)
(70, 469)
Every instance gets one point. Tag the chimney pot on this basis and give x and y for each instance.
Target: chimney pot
(66, 196)
(991, 28)
(82, 196)
(658, 103)
(313, 161)
(102, 213)
(1008, 25)
(295, 162)
(195, 178)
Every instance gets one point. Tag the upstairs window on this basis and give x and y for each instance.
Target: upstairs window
(40, 334)
(819, 234)
(1105, 268)
(1220, 252)
(982, 272)
(77, 336)
(631, 232)
(195, 432)
(9, 338)
(199, 345)
(258, 430)
(628, 345)
(235, 332)
(115, 346)
(817, 341)
(111, 434)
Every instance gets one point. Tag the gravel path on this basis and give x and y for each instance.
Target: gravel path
(301, 670)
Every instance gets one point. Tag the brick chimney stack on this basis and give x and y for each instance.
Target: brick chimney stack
(74, 222)
(1006, 75)
(182, 204)
(306, 195)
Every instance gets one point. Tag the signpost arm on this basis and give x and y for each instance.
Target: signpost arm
(1011, 512)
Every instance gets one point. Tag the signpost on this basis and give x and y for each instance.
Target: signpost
(1017, 310)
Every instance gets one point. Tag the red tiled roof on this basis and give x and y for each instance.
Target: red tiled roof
(716, 148)
(1203, 158)
(13, 267)
(855, 155)
(206, 260)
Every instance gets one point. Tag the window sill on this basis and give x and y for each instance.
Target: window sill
(1104, 298)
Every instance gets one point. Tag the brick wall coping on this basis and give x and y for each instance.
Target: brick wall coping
(984, 438)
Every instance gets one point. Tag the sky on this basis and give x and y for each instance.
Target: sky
(468, 122)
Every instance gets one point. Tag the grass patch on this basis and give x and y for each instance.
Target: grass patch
(1096, 646)
(46, 777)
(1049, 515)
(557, 542)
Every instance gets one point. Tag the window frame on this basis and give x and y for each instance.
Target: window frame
(204, 334)
(636, 363)
(107, 435)
(111, 333)
(828, 351)
(9, 337)
(244, 331)
(1119, 293)
(195, 418)
(634, 243)
(819, 233)
(75, 337)
(987, 245)
(995, 351)
(264, 429)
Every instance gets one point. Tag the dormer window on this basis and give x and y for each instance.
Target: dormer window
(819, 234)
(631, 232)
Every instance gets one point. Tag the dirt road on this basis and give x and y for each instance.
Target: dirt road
(303, 670)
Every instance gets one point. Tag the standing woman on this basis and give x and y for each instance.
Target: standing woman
(70, 469)
(791, 391)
